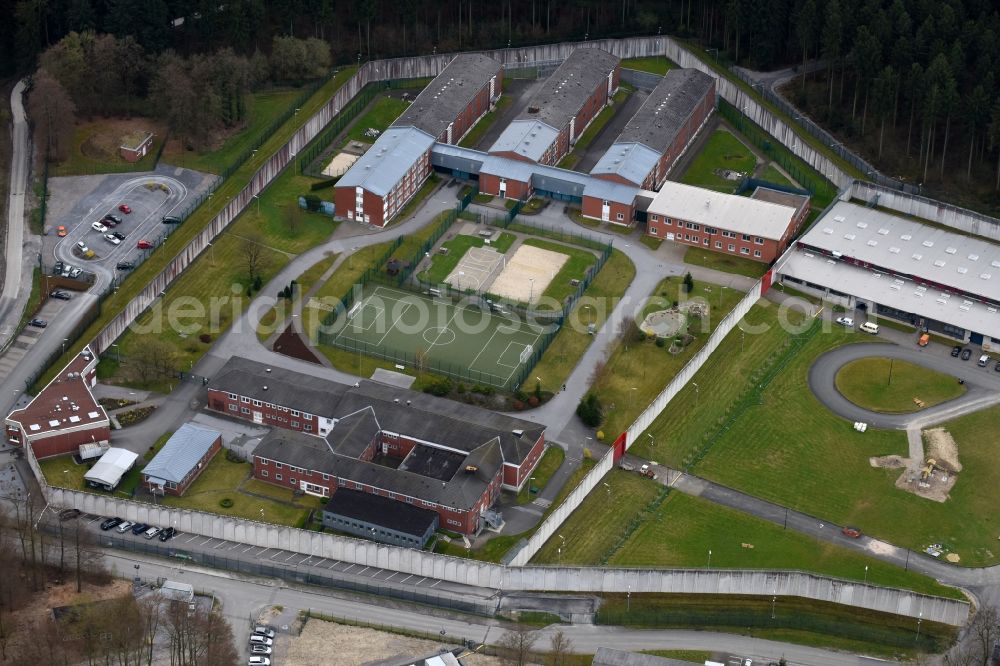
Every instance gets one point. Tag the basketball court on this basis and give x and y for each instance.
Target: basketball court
(460, 341)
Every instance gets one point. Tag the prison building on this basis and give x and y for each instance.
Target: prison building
(754, 227)
(558, 114)
(380, 183)
(660, 131)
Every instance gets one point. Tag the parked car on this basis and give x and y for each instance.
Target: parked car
(109, 523)
(60, 231)
(111, 238)
(261, 640)
(124, 208)
(57, 268)
(119, 235)
(144, 244)
(170, 219)
(75, 272)
(139, 528)
(852, 532)
(59, 295)
(956, 350)
(151, 532)
(845, 321)
(259, 661)
(38, 323)
(124, 526)
(263, 631)
(82, 247)
(167, 534)
(124, 265)
(997, 366)
(112, 218)
(966, 354)
(98, 227)
(69, 514)
(260, 649)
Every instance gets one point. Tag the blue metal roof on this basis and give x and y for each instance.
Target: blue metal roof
(528, 138)
(449, 156)
(631, 161)
(559, 181)
(181, 453)
(388, 160)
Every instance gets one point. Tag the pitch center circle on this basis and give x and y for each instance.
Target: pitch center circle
(437, 335)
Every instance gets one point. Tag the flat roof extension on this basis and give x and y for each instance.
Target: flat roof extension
(716, 209)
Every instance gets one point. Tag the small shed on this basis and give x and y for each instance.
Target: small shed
(107, 473)
(174, 591)
(135, 145)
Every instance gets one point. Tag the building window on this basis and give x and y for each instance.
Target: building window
(756, 253)
(694, 227)
(326, 477)
(758, 240)
(295, 424)
(746, 237)
(605, 203)
(263, 473)
(621, 216)
(654, 218)
(718, 245)
(291, 480)
(245, 410)
(667, 221)
(245, 399)
(652, 231)
(711, 230)
(232, 396)
(277, 477)
(234, 408)
(295, 412)
(278, 465)
(454, 522)
(687, 237)
(732, 248)
(705, 241)
(308, 427)
(744, 250)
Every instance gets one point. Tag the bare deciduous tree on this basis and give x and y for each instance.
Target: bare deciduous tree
(560, 648)
(514, 647)
(53, 116)
(252, 252)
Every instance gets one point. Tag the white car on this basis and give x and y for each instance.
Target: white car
(845, 321)
(124, 527)
(260, 649)
(82, 247)
(259, 661)
(263, 631)
(98, 227)
(260, 640)
(112, 239)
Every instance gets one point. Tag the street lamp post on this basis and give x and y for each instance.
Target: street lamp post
(531, 289)
(696, 393)
(920, 618)
(774, 599)
(866, 575)
(709, 558)
(65, 340)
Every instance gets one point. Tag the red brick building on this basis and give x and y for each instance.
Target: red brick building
(757, 227)
(428, 452)
(181, 460)
(64, 415)
(379, 184)
(660, 131)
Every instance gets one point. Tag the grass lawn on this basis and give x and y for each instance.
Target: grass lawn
(380, 114)
(95, 147)
(201, 217)
(681, 531)
(475, 135)
(867, 382)
(602, 119)
(262, 110)
(772, 175)
(551, 461)
(220, 480)
(443, 264)
(784, 446)
(274, 319)
(569, 161)
(64, 472)
(722, 151)
(694, 656)
(636, 372)
(575, 268)
(650, 242)
(652, 64)
(727, 263)
(572, 340)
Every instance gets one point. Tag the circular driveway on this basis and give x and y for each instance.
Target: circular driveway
(983, 385)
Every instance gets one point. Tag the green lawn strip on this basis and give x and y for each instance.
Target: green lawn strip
(180, 239)
(79, 164)
(718, 261)
(578, 217)
(443, 264)
(569, 161)
(573, 339)
(64, 472)
(475, 135)
(636, 372)
(274, 318)
(592, 531)
(772, 175)
(683, 529)
(785, 449)
(694, 656)
(796, 620)
(262, 109)
(220, 480)
(867, 382)
(722, 150)
(381, 113)
(482, 199)
(575, 268)
(551, 461)
(599, 122)
(650, 242)
(283, 494)
(652, 64)
(364, 366)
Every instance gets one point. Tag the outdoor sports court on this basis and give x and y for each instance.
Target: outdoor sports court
(464, 342)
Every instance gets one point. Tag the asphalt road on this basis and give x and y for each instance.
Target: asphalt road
(983, 385)
(242, 596)
(10, 314)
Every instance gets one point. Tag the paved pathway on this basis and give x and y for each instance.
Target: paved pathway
(12, 301)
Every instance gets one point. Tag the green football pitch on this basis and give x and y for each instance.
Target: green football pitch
(460, 341)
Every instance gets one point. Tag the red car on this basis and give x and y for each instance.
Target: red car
(125, 208)
(852, 532)
(144, 245)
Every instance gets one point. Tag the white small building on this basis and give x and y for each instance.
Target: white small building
(174, 591)
(107, 473)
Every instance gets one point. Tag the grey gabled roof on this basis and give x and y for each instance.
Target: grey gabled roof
(181, 453)
(525, 137)
(631, 161)
(663, 114)
(388, 160)
(448, 95)
(568, 88)
(278, 386)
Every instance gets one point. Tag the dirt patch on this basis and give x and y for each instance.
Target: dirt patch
(290, 343)
(103, 137)
(889, 462)
(934, 487)
(356, 645)
(942, 448)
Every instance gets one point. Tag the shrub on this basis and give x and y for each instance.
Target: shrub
(439, 387)
(231, 456)
(600, 435)
(590, 411)
(518, 405)
(661, 342)
(688, 283)
(226, 503)
(460, 388)
(205, 337)
(534, 401)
